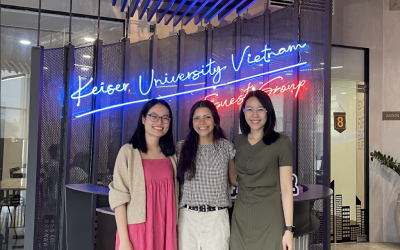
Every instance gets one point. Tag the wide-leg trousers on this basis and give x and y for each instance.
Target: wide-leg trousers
(203, 230)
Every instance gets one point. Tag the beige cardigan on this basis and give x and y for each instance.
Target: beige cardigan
(128, 186)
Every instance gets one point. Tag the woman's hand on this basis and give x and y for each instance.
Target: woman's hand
(287, 241)
(125, 245)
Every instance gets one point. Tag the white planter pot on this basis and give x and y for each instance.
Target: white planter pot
(398, 214)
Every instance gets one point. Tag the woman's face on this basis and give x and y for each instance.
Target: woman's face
(156, 122)
(255, 114)
(203, 122)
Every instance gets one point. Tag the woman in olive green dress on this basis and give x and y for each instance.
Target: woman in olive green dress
(263, 213)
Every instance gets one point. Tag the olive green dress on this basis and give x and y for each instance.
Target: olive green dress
(257, 220)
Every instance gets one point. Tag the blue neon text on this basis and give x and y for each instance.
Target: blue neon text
(265, 55)
(110, 89)
(209, 69)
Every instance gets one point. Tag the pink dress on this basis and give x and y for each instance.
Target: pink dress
(159, 230)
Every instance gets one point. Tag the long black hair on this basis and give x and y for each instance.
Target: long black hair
(187, 158)
(270, 136)
(166, 142)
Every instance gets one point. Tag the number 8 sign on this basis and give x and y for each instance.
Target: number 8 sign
(339, 119)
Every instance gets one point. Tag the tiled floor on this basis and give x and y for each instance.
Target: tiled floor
(365, 246)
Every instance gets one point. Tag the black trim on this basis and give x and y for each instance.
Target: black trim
(69, 53)
(348, 47)
(180, 133)
(95, 138)
(209, 44)
(327, 35)
(95, 133)
(39, 19)
(34, 161)
(366, 141)
(267, 28)
(153, 59)
(238, 53)
(125, 125)
(295, 103)
(98, 19)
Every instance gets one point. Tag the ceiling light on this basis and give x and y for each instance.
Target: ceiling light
(343, 93)
(6, 78)
(89, 39)
(26, 42)
(337, 67)
(86, 56)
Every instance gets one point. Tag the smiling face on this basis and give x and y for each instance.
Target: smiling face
(255, 114)
(203, 123)
(156, 128)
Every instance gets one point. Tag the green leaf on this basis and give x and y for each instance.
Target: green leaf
(388, 161)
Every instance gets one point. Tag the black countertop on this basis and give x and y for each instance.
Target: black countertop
(314, 192)
(89, 188)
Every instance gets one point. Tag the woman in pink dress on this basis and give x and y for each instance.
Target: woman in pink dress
(144, 190)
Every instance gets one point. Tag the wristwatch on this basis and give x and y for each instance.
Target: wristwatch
(291, 229)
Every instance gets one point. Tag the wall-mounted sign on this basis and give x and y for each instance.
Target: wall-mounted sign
(210, 69)
(339, 120)
(391, 115)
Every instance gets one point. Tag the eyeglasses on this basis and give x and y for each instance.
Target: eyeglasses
(251, 111)
(155, 118)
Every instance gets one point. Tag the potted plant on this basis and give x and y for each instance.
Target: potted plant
(389, 162)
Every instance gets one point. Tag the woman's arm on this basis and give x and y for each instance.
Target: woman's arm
(232, 173)
(122, 226)
(285, 177)
(119, 196)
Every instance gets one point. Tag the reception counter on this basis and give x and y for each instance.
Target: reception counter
(303, 220)
(81, 219)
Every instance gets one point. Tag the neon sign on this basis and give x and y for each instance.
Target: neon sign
(209, 69)
(110, 90)
(265, 87)
(193, 91)
(266, 56)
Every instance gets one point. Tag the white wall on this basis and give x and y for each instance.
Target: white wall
(370, 24)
